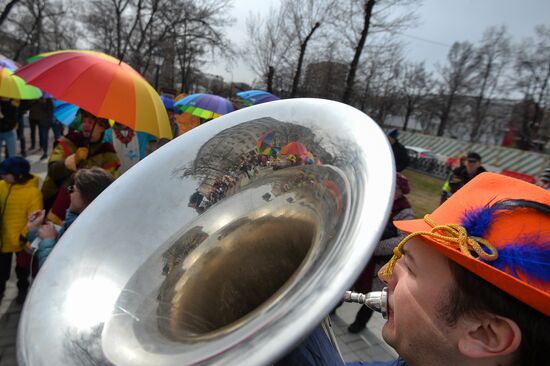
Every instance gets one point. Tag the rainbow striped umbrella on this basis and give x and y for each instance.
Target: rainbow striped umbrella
(264, 143)
(12, 86)
(102, 85)
(206, 106)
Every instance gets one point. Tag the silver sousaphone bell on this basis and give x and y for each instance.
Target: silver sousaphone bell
(226, 246)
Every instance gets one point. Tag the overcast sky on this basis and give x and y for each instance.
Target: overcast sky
(441, 22)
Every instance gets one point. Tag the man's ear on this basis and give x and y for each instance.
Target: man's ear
(491, 336)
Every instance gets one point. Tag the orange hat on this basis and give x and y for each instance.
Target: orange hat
(510, 218)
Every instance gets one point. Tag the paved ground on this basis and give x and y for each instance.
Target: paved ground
(365, 346)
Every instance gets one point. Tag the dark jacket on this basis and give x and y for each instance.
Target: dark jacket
(41, 111)
(460, 177)
(9, 121)
(401, 156)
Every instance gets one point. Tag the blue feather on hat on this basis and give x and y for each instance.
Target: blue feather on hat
(478, 221)
(529, 255)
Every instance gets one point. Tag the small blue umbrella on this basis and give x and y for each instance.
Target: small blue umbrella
(64, 112)
(252, 97)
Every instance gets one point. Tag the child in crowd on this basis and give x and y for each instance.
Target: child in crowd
(88, 184)
(19, 196)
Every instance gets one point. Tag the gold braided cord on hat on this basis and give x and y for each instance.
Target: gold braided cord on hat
(452, 235)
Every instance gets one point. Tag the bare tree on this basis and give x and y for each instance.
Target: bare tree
(113, 24)
(198, 30)
(304, 18)
(350, 80)
(456, 79)
(415, 85)
(7, 6)
(493, 56)
(386, 89)
(369, 71)
(35, 26)
(532, 75)
(266, 44)
(182, 31)
(378, 77)
(356, 19)
(29, 26)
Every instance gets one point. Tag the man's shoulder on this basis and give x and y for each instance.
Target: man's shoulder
(398, 362)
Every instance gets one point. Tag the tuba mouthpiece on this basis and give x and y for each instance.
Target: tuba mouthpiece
(375, 300)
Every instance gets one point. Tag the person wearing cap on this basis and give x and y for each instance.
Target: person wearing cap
(470, 283)
(462, 175)
(130, 146)
(75, 151)
(19, 197)
(88, 184)
(399, 151)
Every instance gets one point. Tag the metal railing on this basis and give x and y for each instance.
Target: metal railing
(432, 167)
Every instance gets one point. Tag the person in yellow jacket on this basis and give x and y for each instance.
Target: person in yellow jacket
(19, 197)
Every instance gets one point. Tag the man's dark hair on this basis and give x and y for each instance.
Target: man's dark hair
(472, 296)
(91, 182)
(103, 122)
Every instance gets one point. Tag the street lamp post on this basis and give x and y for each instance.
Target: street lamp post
(158, 60)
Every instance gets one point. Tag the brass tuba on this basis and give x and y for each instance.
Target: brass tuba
(226, 246)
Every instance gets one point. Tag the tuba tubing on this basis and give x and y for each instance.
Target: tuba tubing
(226, 246)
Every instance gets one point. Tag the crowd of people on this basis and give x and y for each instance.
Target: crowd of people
(468, 284)
(82, 162)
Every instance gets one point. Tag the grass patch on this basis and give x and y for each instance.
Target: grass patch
(425, 192)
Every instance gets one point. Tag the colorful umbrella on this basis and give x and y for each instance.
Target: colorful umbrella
(263, 144)
(40, 56)
(12, 86)
(102, 85)
(252, 97)
(64, 112)
(8, 63)
(67, 113)
(295, 148)
(206, 106)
